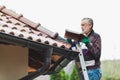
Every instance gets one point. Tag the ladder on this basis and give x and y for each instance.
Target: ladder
(82, 62)
(77, 37)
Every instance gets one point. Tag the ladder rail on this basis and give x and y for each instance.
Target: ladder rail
(82, 61)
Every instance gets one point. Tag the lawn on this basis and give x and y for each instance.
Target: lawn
(111, 70)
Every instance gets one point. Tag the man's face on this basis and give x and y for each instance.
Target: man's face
(86, 27)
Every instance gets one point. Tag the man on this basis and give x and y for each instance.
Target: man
(91, 51)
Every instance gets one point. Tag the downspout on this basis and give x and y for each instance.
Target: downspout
(42, 70)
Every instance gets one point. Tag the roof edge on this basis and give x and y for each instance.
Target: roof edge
(32, 24)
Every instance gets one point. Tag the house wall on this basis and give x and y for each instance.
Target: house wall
(13, 62)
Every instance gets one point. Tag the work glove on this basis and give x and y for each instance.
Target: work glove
(69, 40)
(86, 40)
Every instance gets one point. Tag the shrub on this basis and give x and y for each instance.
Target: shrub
(74, 74)
(59, 76)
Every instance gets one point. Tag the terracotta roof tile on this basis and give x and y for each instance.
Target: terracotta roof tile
(16, 25)
(27, 21)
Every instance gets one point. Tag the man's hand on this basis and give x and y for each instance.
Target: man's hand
(69, 40)
(86, 40)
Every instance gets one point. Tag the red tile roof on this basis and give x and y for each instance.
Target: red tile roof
(18, 30)
(14, 24)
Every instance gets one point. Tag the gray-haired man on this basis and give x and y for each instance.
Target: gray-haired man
(91, 51)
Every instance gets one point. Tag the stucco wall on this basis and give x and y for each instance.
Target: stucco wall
(13, 62)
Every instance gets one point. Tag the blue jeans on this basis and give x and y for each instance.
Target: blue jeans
(94, 74)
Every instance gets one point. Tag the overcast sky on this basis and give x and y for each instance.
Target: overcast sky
(58, 15)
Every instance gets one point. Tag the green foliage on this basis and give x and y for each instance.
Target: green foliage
(111, 70)
(74, 74)
(59, 76)
(62, 75)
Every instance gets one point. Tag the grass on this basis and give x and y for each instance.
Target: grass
(111, 70)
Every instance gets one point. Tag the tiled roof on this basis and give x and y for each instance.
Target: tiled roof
(16, 25)
(48, 52)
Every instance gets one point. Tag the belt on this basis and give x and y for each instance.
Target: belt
(87, 63)
(90, 63)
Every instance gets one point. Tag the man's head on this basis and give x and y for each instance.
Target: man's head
(86, 25)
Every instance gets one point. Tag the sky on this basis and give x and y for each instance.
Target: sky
(59, 15)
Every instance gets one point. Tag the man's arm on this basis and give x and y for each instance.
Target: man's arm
(95, 47)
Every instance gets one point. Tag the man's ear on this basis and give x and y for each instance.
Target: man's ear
(91, 26)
